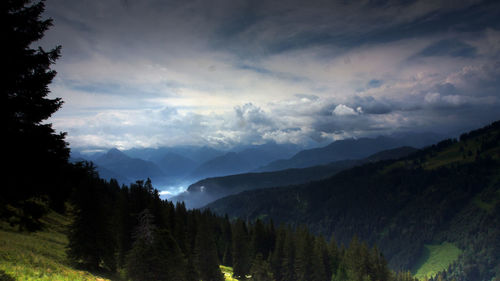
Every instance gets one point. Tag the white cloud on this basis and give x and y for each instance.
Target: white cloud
(344, 110)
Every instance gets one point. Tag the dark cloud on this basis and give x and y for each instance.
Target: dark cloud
(374, 83)
(222, 72)
(449, 47)
(446, 89)
(370, 105)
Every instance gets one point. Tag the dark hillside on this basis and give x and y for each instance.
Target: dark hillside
(210, 189)
(449, 192)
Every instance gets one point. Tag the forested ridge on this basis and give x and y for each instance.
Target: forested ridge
(448, 192)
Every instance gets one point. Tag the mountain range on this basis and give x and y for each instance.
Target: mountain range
(348, 149)
(444, 196)
(208, 190)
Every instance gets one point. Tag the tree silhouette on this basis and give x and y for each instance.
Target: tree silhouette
(33, 147)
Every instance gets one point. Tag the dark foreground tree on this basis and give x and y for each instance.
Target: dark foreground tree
(155, 255)
(32, 146)
(92, 242)
(206, 253)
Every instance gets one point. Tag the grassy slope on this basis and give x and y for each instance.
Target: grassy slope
(40, 255)
(435, 259)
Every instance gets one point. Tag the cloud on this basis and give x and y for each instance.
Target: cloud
(449, 47)
(154, 73)
(344, 110)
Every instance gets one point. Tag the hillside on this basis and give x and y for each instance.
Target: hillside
(449, 192)
(40, 255)
(208, 190)
(243, 160)
(116, 164)
(175, 165)
(348, 149)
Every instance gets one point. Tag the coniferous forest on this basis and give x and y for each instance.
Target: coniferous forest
(128, 231)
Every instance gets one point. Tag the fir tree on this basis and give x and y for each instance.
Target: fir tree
(206, 254)
(278, 254)
(241, 249)
(155, 255)
(320, 260)
(91, 238)
(288, 260)
(34, 148)
(260, 270)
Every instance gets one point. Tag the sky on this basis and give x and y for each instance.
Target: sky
(222, 73)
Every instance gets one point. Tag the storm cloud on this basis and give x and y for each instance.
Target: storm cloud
(222, 73)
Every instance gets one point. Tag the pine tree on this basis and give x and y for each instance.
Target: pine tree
(278, 254)
(241, 249)
(33, 147)
(91, 238)
(379, 264)
(304, 254)
(334, 255)
(260, 270)
(288, 261)
(320, 260)
(260, 239)
(155, 255)
(227, 258)
(206, 254)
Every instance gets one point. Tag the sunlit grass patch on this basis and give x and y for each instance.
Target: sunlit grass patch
(436, 258)
(39, 255)
(228, 273)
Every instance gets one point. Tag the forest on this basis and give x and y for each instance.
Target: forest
(153, 239)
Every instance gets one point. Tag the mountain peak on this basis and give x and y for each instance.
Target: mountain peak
(113, 155)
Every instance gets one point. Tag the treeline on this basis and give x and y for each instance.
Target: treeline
(131, 228)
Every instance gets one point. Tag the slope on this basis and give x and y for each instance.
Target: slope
(342, 150)
(245, 160)
(449, 192)
(210, 189)
(116, 163)
(40, 255)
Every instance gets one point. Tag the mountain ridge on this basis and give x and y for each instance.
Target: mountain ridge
(447, 192)
(204, 191)
(347, 149)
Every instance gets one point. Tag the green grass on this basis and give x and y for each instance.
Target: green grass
(228, 273)
(436, 258)
(40, 255)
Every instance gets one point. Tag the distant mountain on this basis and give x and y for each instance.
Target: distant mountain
(243, 161)
(200, 154)
(107, 174)
(175, 165)
(229, 163)
(116, 163)
(446, 195)
(343, 150)
(195, 153)
(210, 189)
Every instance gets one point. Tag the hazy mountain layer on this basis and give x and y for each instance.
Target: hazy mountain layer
(210, 189)
(347, 149)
